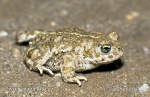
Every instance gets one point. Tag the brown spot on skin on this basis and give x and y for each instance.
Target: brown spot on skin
(47, 35)
(110, 56)
(35, 64)
(97, 54)
(68, 69)
(87, 53)
(30, 52)
(52, 38)
(67, 60)
(63, 68)
(103, 59)
(26, 59)
(115, 53)
(74, 42)
(68, 77)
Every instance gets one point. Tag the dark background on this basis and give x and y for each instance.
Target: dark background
(129, 18)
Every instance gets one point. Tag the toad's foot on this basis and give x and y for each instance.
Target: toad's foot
(57, 74)
(68, 70)
(77, 79)
(42, 68)
(35, 59)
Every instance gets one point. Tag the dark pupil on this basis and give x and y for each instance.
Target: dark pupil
(106, 48)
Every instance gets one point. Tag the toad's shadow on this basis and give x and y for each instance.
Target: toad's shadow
(107, 68)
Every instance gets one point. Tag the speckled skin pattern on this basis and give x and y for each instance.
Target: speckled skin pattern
(69, 51)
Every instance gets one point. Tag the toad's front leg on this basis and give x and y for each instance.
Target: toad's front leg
(35, 58)
(68, 70)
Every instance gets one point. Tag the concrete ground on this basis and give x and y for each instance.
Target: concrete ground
(128, 77)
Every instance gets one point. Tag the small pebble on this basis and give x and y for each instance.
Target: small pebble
(53, 24)
(144, 88)
(81, 91)
(1, 49)
(14, 84)
(44, 82)
(124, 82)
(146, 50)
(64, 13)
(16, 53)
(24, 95)
(132, 15)
(88, 26)
(58, 84)
(3, 33)
(41, 94)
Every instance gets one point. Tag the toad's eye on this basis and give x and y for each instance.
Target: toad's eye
(105, 48)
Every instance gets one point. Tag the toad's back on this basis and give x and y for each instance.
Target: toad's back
(66, 38)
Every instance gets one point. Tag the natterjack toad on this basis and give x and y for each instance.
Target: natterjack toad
(69, 51)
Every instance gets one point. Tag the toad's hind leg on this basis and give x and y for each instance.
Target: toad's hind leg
(25, 36)
(35, 59)
(68, 71)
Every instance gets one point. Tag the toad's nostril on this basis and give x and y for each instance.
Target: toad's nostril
(119, 48)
